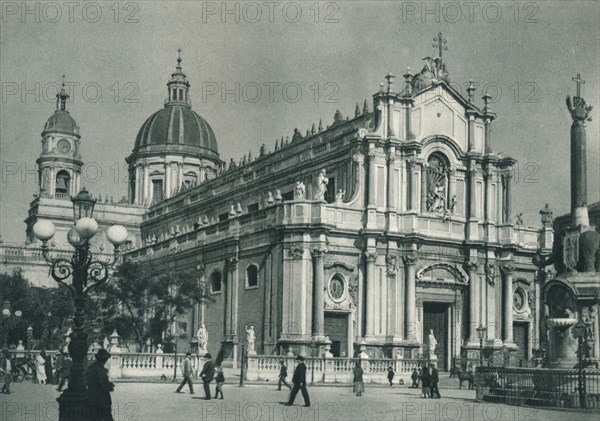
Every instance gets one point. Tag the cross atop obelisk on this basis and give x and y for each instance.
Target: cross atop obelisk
(439, 43)
(579, 81)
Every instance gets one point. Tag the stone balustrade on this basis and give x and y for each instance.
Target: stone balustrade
(331, 370)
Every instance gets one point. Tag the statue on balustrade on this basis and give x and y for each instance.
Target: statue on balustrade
(322, 182)
(251, 338)
(300, 190)
(202, 339)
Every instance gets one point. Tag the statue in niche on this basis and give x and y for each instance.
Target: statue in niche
(561, 303)
(437, 181)
(432, 342)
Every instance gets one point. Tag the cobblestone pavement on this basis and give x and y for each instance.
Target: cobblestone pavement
(156, 401)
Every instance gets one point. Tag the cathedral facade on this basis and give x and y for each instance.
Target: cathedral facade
(369, 234)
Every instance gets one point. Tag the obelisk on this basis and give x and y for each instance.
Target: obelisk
(580, 113)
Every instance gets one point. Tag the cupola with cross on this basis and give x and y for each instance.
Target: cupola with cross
(59, 164)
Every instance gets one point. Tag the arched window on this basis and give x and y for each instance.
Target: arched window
(437, 183)
(215, 281)
(63, 181)
(251, 276)
(190, 179)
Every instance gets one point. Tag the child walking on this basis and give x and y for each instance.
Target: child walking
(220, 379)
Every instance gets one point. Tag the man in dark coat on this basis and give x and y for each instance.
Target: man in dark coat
(299, 380)
(433, 386)
(99, 388)
(188, 372)
(6, 366)
(207, 374)
(65, 371)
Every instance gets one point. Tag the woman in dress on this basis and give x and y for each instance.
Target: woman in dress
(359, 386)
(40, 367)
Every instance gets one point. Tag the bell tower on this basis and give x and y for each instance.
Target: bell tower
(59, 165)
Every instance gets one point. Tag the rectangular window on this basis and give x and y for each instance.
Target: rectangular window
(223, 216)
(157, 190)
(253, 207)
(460, 197)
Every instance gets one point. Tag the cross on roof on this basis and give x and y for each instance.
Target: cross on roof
(439, 43)
(579, 81)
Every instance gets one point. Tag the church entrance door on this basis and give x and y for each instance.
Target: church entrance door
(520, 337)
(435, 317)
(336, 327)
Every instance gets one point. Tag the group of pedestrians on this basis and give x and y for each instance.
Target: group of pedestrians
(41, 366)
(429, 381)
(209, 372)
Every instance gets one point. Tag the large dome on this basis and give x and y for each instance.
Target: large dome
(176, 127)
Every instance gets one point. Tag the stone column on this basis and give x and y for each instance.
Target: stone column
(423, 187)
(473, 190)
(507, 198)
(138, 184)
(232, 267)
(147, 193)
(168, 180)
(372, 178)
(318, 314)
(409, 184)
(508, 270)
(371, 285)
(414, 191)
(410, 320)
(391, 193)
(473, 302)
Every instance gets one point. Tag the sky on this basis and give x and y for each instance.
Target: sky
(260, 69)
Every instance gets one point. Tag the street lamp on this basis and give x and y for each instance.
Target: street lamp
(481, 333)
(579, 332)
(86, 274)
(10, 320)
(313, 346)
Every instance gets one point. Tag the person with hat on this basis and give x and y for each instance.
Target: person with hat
(99, 388)
(299, 380)
(207, 374)
(188, 372)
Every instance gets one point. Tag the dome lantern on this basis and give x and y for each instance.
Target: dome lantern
(178, 86)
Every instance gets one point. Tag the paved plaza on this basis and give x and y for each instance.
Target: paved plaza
(156, 401)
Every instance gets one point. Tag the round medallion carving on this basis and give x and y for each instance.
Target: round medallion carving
(337, 288)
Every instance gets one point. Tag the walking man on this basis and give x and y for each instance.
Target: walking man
(207, 374)
(6, 370)
(283, 376)
(435, 379)
(220, 379)
(299, 380)
(390, 375)
(65, 371)
(415, 379)
(188, 372)
(99, 388)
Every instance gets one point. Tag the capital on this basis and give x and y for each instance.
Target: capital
(472, 265)
(318, 252)
(295, 252)
(232, 262)
(410, 259)
(507, 268)
(371, 256)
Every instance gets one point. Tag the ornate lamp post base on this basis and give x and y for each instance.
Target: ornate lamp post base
(72, 406)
